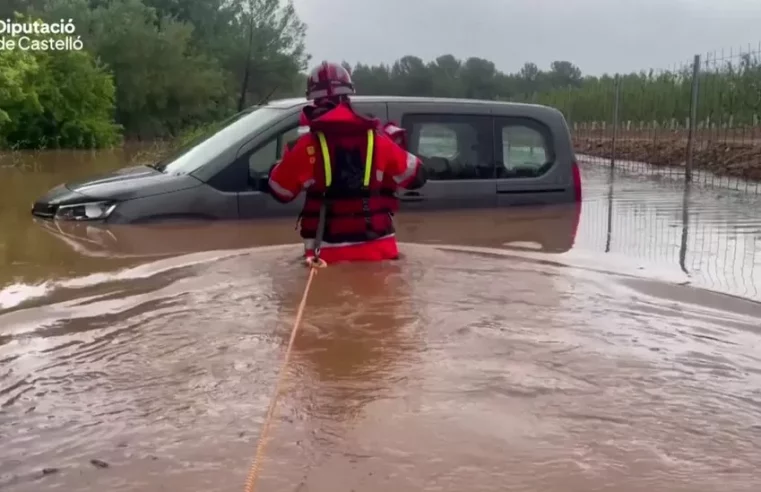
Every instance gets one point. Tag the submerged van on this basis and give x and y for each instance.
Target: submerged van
(478, 154)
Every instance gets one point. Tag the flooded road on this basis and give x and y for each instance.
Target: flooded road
(516, 350)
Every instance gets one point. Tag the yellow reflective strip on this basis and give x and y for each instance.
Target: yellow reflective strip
(325, 159)
(369, 157)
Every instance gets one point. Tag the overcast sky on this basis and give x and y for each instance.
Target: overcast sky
(597, 35)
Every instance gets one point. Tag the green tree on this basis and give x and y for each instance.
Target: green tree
(17, 72)
(179, 64)
(163, 83)
(160, 68)
(730, 94)
(271, 50)
(446, 76)
(55, 99)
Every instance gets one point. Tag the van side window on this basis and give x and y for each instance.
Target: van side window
(437, 141)
(262, 159)
(526, 149)
(452, 147)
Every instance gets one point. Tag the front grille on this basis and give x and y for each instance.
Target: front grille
(44, 210)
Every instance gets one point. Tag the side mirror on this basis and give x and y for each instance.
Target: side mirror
(263, 183)
(263, 180)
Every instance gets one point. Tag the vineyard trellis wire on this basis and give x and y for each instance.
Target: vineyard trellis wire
(697, 121)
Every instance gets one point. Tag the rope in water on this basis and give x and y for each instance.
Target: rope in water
(256, 464)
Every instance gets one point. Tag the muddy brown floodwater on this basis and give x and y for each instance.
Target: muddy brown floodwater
(508, 350)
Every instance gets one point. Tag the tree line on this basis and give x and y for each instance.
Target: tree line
(148, 69)
(154, 69)
(729, 93)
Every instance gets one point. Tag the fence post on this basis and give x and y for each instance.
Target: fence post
(616, 104)
(693, 117)
(685, 227)
(609, 232)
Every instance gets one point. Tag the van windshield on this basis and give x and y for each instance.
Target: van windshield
(194, 154)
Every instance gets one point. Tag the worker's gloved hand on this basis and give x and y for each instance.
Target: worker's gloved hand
(313, 262)
(397, 134)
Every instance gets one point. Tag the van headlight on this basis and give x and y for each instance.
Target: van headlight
(85, 211)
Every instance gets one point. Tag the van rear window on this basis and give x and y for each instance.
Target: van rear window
(437, 141)
(526, 149)
(457, 147)
(452, 147)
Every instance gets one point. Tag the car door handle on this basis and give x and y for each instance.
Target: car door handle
(412, 196)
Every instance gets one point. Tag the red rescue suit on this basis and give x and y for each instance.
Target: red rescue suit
(354, 170)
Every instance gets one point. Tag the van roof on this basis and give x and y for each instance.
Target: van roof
(300, 101)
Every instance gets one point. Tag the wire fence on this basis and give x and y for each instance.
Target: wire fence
(713, 238)
(698, 121)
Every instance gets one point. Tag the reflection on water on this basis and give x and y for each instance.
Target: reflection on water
(446, 369)
(712, 235)
(26, 251)
(525, 349)
(340, 345)
(675, 174)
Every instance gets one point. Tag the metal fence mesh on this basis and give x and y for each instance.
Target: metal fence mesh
(709, 234)
(696, 121)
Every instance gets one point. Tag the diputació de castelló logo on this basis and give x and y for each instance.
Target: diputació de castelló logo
(39, 36)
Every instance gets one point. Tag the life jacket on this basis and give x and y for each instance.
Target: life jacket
(357, 206)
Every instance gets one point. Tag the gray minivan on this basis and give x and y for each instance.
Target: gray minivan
(478, 154)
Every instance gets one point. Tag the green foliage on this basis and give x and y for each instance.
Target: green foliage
(55, 99)
(729, 94)
(448, 76)
(163, 69)
(17, 71)
(152, 69)
(163, 83)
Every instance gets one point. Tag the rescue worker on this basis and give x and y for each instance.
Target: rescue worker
(350, 170)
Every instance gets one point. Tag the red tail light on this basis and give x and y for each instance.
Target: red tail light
(577, 196)
(576, 181)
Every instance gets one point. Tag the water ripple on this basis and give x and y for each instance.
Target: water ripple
(456, 367)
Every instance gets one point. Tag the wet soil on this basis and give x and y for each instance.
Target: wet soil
(723, 155)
